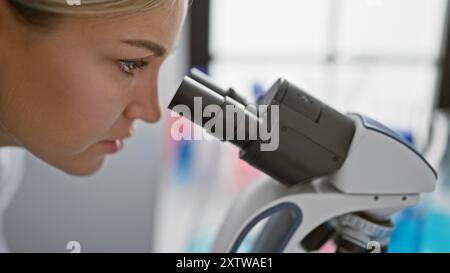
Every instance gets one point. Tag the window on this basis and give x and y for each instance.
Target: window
(376, 57)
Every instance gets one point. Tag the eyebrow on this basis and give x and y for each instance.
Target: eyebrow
(157, 49)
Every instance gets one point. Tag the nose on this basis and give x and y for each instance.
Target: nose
(144, 104)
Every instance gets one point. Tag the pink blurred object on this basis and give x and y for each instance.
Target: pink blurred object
(243, 172)
(329, 247)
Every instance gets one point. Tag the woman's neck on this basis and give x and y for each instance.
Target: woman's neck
(5, 137)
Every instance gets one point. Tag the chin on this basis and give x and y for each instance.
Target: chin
(82, 169)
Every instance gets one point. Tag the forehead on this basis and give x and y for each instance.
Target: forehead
(160, 24)
(163, 20)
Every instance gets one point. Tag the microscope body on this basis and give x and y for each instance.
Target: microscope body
(331, 176)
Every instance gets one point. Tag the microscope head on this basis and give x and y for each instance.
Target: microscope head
(312, 139)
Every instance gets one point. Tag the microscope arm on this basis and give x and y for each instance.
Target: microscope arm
(360, 186)
(315, 203)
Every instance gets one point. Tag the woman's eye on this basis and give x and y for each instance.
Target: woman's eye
(129, 66)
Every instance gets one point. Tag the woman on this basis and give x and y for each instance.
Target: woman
(74, 78)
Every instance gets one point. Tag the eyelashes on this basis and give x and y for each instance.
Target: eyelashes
(130, 67)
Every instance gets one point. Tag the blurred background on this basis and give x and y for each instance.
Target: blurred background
(387, 59)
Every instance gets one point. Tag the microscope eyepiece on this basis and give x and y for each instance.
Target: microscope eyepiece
(201, 97)
(191, 89)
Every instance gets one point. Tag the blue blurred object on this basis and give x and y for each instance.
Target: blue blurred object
(407, 135)
(406, 237)
(436, 231)
(258, 91)
(202, 68)
(183, 166)
(200, 243)
(426, 227)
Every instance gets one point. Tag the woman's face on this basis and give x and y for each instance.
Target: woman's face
(68, 95)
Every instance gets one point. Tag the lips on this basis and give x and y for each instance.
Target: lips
(112, 146)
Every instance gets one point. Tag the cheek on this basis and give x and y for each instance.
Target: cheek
(91, 103)
(74, 104)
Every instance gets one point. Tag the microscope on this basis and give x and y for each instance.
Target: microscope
(332, 177)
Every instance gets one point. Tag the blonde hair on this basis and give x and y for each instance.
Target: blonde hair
(90, 7)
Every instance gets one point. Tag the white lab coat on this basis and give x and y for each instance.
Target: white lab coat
(12, 166)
